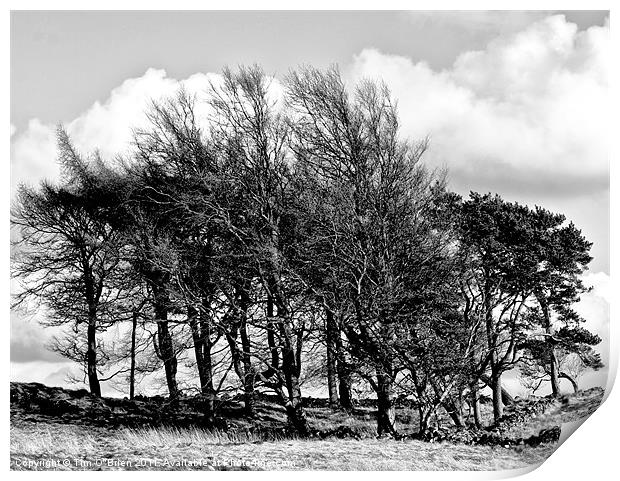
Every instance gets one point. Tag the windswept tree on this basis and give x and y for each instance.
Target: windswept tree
(521, 266)
(374, 248)
(571, 350)
(153, 220)
(252, 136)
(67, 257)
(493, 238)
(561, 257)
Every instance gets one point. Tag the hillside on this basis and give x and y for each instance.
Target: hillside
(53, 428)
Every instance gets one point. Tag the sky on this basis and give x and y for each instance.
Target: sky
(512, 102)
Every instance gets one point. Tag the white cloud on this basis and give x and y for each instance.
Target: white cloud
(594, 308)
(33, 154)
(526, 114)
(104, 126)
(529, 111)
(29, 339)
(108, 126)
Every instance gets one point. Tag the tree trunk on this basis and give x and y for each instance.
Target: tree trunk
(132, 371)
(454, 411)
(424, 414)
(165, 346)
(386, 412)
(248, 379)
(293, 402)
(495, 382)
(498, 405)
(344, 389)
(344, 374)
(452, 405)
(290, 366)
(554, 372)
(290, 370)
(271, 338)
(294, 408)
(170, 361)
(553, 360)
(475, 400)
(205, 343)
(332, 376)
(91, 355)
(297, 416)
(571, 380)
(248, 369)
(202, 351)
(507, 399)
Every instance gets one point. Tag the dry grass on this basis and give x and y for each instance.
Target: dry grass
(40, 442)
(165, 448)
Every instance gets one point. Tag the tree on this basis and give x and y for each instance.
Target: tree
(252, 136)
(572, 352)
(67, 256)
(495, 236)
(563, 255)
(372, 243)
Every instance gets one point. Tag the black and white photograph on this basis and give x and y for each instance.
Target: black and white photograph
(307, 240)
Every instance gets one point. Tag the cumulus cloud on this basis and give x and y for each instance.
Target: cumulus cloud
(594, 308)
(107, 126)
(28, 342)
(33, 154)
(104, 126)
(526, 113)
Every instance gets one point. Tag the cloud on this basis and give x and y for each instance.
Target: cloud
(593, 306)
(43, 372)
(33, 154)
(104, 126)
(107, 126)
(29, 339)
(527, 113)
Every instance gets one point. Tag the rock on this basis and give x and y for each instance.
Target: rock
(80, 406)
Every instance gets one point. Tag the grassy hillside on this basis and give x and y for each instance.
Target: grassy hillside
(68, 430)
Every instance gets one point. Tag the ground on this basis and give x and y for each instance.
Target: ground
(68, 430)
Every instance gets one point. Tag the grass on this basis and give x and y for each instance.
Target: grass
(54, 442)
(67, 446)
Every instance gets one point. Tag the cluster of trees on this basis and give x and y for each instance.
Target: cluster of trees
(297, 239)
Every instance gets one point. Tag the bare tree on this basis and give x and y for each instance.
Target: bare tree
(371, 238)
(254, 139)
(67, 256)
